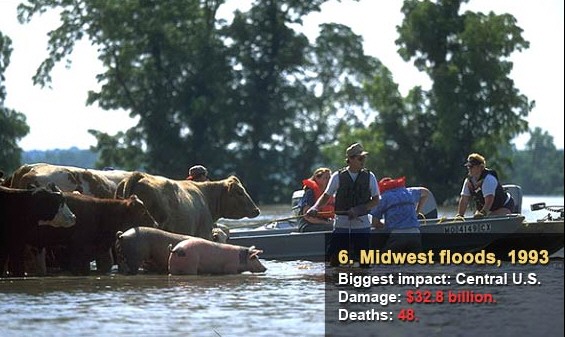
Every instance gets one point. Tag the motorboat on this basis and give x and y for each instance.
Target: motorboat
(461, 235)
(281, 239)
(547, 233)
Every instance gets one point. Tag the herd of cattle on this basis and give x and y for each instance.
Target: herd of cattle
(61, 218)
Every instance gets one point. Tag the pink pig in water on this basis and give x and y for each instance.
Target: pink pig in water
(199, 256)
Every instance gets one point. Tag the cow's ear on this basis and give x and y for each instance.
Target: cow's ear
(51, 186)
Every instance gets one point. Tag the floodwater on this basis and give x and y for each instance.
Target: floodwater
(287, 300)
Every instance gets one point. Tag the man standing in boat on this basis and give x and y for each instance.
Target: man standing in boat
(356, 192)
(483, 186)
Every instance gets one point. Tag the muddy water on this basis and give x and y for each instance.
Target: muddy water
(287, 300)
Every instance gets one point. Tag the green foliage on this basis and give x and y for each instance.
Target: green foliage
(12, 123)
(540, 168)
(473, 105)
(254, 97)
(123, 151)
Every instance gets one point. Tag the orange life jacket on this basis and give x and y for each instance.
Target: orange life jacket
(328, 211)
(388, 183)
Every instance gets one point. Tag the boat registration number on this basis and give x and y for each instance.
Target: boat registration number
(470, 228)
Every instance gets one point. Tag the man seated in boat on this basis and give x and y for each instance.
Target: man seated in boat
(483, 186)
(400, 206)
(314, 187)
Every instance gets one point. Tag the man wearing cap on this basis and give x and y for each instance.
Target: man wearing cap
(483, 186)
(198, 173)
(356, 192)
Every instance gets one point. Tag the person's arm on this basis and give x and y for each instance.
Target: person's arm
(489, 185)
(488, 201)
(323, 199)
(362, 209)
(376, 213)
(313, 219)
(307, 201)
(423, 195)
(464, 200)
(463, 203)
(377, 223)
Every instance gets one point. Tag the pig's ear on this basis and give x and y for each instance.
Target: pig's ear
(254, 254)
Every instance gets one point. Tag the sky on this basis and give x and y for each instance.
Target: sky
(59, 118)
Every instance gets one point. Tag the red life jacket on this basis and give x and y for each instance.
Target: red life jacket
(389, 183)
(329, 209)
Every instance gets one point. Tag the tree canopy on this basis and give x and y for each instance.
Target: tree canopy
(255, 97)
(13, 124)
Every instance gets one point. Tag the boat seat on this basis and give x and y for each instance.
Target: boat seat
(429, 209)
(516, 193)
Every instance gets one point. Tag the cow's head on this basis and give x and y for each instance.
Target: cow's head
(51, 207)
(139, 214)
(236, 203)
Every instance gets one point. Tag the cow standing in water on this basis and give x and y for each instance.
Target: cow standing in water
(98, 183)
(22, 212)
(186, 207)
(94, 233)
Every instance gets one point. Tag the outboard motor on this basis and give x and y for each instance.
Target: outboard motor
(516, 193)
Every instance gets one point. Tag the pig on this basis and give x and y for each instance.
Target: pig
(148, 248)
(145, 247)
(198, 256)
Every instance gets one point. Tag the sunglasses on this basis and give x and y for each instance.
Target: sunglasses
(360, 158)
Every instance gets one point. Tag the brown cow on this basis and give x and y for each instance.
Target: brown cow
(94, 233)
(186, 207)
(98, 183)
(21, 213)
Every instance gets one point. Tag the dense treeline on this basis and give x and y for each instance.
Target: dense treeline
(253, 96)
(526, 171)
(68, 157)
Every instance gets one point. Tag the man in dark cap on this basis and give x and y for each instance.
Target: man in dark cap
(198, 173)
(356, 193)
(483, 186)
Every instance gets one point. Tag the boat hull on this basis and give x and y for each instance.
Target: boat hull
(498, 234)
(536, 236)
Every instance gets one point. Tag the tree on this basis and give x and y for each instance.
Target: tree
(13, 125)
(164, 62)
(540, 168)
(473, 105)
